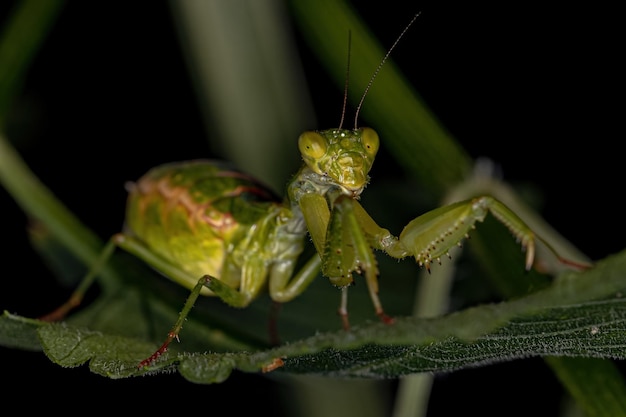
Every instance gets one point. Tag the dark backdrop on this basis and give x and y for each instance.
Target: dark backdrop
(539, 76)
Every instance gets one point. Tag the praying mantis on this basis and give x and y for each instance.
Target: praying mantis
(220, 232)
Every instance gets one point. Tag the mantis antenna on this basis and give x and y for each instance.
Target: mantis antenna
(369, 85)
(345, 88)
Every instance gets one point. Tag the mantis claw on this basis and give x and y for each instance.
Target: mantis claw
(449, 225)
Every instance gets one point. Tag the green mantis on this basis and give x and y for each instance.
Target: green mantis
(219, 232)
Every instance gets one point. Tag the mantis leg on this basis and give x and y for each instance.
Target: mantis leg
(284, 288)
(431, 235)
(79, 293)
(206, 285)
(344, 247)
(249, 286)
(281, 289)
(135, 247)
(348, 248)
(226, 293)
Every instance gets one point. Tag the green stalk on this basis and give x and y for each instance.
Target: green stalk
(23, 36)
(21, 39)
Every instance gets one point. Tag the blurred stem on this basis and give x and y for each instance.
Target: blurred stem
(21, 38)
(604, 393)
(40, 204)
(250, 86)
(431, 300)
(322, 397)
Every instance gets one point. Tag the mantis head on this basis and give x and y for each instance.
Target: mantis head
(343, 156)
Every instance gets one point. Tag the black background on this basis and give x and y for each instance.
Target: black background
(534, 86)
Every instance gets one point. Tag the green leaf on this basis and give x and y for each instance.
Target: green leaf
(19, 332)
(580, 314)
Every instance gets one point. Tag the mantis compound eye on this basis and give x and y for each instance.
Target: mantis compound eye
(370, 141)
(312, 145)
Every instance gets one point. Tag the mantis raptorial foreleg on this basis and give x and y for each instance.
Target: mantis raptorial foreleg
(343, 246)
(346, 236)
(431, 235)
(555, 253)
